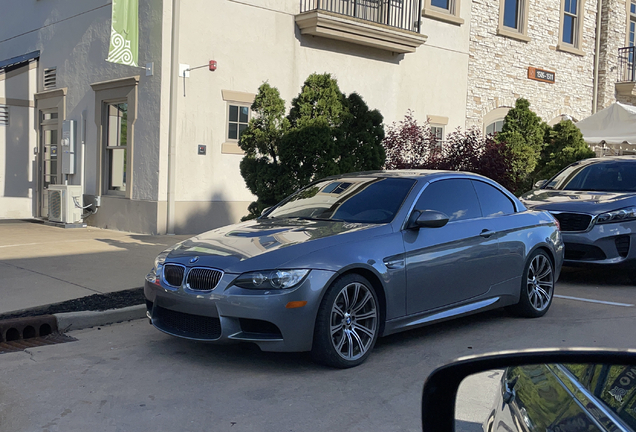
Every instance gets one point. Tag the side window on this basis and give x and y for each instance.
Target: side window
(492, 201)
(455, 197)
(238, 118)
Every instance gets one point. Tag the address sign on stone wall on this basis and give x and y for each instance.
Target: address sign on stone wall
(541, 75)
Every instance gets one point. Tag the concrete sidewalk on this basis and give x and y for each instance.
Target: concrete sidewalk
(42, 264)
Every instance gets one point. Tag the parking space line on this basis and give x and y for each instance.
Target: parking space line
(594, 301)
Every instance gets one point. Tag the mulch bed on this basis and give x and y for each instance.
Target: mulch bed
(95, 302)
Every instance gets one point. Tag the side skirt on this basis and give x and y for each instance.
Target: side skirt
(421, 319)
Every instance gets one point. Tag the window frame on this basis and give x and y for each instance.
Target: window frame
(450, 15)
(106, 93)
(238, 122)
(520, 33)
(106, 174)
(231, 97)
(576, 46)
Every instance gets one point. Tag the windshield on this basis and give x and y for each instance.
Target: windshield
(361, 200)
(605, 176)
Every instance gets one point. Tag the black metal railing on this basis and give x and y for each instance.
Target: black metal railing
(402, 14)
(626, 71)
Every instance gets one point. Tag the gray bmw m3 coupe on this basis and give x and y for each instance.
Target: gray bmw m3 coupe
(351, 258)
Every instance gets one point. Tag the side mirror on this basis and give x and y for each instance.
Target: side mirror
(428, 219)
(507, 391)
(540, 184)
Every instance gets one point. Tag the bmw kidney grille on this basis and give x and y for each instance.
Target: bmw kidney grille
(173, 274)
(203, 279)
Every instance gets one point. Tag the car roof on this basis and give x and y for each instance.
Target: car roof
(415, 174)
(607, 159)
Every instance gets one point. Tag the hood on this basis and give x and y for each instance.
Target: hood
(281, 239)
(577, 201)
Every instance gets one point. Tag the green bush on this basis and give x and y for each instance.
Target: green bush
(564, 145)
(326, 133)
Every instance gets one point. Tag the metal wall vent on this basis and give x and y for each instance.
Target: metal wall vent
(4, 115)
(50, 78)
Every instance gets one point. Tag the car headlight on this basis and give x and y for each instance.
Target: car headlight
(155, 274)
(617, 215)
(271, 279)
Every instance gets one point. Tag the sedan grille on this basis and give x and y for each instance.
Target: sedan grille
(186, 325)
(203, 279)
(173, 274)
(573, 221)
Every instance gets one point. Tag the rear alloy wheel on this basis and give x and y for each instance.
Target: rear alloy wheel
(537, 286)
(348, 323)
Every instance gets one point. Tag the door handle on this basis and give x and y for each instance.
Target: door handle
(487, 233)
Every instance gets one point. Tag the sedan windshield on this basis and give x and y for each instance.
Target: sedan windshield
(605, 176)
(360, 200)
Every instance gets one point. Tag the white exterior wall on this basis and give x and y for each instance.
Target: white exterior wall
(259, 42)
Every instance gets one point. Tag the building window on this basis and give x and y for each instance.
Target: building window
(570, 16)
(116, 146)
(571, 26)
(115, 116)
(513, 19)
(632, 24)
(494, 127)
(443, 10)
(438, 132)
(511, 14)
(238, 118)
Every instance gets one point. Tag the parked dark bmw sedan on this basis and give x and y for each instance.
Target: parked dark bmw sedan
(595, 203)
(351, 258)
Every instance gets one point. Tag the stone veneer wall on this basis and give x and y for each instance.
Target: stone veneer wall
(613, 31)
(498, 65)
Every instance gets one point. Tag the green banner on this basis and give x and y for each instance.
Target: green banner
(124, 33)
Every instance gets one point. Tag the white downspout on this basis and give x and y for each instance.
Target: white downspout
(597, 51)
(172, 125)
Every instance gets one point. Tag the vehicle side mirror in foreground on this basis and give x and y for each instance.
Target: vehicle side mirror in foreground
(429, 219)
(533, 390)
(540, 184)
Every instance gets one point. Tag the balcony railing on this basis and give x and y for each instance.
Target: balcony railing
(626, 70)
(402, 14)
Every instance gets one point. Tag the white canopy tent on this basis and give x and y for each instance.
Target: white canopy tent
(611, 131)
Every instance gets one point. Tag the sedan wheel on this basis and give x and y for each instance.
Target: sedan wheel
(348, 323)
(537, 286)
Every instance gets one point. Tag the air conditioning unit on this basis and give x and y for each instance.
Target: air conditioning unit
(62, 206)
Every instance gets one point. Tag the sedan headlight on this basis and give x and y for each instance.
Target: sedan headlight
(617, 215)
(155, 274)
(271, 279)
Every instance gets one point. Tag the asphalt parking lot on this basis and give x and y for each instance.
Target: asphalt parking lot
(131, 377)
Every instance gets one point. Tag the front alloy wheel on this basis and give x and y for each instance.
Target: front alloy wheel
(348, 323)
(537, 286)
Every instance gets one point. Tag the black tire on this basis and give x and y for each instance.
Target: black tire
(348, 323)
(537, 286)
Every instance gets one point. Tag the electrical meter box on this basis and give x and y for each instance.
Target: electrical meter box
(69, 137)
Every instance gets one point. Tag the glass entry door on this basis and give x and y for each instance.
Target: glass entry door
(49, 152)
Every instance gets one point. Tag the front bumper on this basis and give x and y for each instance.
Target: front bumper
(604, 244)
(232, 314)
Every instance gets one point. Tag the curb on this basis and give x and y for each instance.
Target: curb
(70, 321)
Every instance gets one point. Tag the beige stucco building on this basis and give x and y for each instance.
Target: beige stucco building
(160, 155)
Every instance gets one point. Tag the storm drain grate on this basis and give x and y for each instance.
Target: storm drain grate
(21, 345)
(21, 333)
